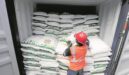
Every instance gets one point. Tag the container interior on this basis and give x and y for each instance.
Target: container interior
(108, 11)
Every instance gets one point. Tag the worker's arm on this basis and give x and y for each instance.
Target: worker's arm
(87, 42)
(67, 51)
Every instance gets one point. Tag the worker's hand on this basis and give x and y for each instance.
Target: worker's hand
(87, 42)
(69, 43)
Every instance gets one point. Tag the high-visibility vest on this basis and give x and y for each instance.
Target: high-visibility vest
(77, 58)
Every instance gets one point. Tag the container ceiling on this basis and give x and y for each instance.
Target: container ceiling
(71, 2)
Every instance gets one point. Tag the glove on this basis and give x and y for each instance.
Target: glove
(69, 43)
(67, 51)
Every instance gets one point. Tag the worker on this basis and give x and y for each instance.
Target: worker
(77, 54)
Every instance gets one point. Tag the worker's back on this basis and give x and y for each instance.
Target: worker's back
(80, 53)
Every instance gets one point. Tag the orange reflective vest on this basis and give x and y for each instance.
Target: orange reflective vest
(77, 59)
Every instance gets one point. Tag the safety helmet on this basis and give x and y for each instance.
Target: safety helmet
(81, 37)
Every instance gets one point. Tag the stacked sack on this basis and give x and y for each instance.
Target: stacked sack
(100, 55)
(39, 55)
(89, 63)
(87, 23)
(63, 61)
(66, 24)
(61, 25)
(51, 24)
(38, 23)
(45, 24)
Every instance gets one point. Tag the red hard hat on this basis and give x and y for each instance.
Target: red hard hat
(81, 37)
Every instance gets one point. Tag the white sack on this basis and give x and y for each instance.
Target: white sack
(89, 54)
(66, 16)
(31, 72)
(53, 19)
(102, 59)
(42, 41)
(98, 46)
(98, 74)
(38, 48)
(89, 60)
(89, 17)
(66, 21)
(88, 68)
(49, 64)
(53, 24)
(61, 46)
(39, 24)
(62, 72)
(91, 21)
(91, 31)
(38, 28)
(53, 15)
(66, 25)
(38, 32)
(78, 21)
(106, 54)
(104, 62)
(40, 13)
(64, 61)
(40, 18)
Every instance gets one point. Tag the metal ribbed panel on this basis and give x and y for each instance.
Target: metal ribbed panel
(8, 64)
(123, 66)
(1, 34)
(5, 61)
(3, 48)
(4, 55)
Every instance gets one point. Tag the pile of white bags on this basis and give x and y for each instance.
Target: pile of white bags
(100, 56)
(39, 55)
(51, 24)
(63, 61)
(43, 54)
(61, 25)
